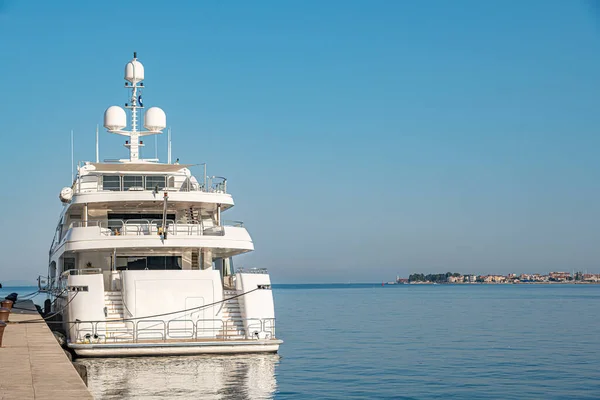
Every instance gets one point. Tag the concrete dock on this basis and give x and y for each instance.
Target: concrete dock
(32, 363)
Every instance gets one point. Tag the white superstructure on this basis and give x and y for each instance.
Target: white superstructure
(142, 262)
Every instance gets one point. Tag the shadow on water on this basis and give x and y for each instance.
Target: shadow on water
(184, 377)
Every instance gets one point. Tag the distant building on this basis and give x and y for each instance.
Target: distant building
(494, 278)
(591, 277)
(560, 276)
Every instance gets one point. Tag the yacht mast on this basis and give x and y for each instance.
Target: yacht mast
(72, 159)
(115, 118)
(134, 75)
(97, 147)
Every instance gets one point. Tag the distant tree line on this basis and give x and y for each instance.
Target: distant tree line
(432, 277)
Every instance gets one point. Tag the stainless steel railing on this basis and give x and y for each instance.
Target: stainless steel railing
(149, 183)
(172, 330)
(236, 224)
(83, 271)
(141, 227)
(252, 270)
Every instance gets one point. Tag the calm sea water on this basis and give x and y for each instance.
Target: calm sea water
(403, 342)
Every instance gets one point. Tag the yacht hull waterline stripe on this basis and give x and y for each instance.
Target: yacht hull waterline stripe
(148, 349)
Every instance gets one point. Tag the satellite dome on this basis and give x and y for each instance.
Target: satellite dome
(155, 119)
(115, 118)
(134, 72)
(66, 194)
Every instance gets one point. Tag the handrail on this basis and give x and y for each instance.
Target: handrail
(173, 182)
(236, 224)
(84, 224)
(252, 270)
(184, 330)
(217, 184)
(144, 227)
(85, 271)
(154, 329)
(151, 329)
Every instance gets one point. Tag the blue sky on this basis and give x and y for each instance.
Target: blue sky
(361, 139)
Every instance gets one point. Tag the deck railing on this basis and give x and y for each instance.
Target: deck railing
(83, 271)
(135, 331)
(252, 270)
(141, 227)
(149, 183)
(236, 224)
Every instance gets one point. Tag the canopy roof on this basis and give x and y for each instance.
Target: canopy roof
(138, 167)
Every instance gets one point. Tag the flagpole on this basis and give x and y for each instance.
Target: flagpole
(169, 146)
(97, 148)
(72, 158)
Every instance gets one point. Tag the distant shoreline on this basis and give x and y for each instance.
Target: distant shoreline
(497, 283)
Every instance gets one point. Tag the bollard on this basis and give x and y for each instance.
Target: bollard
(12, 296)
(7, 304)
(47, 306)
(4, 312)
(2, 326)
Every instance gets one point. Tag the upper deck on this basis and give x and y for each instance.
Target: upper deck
(145, 182)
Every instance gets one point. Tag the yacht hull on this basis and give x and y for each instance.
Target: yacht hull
(177, 348)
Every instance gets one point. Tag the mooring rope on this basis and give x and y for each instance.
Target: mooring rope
(37, 321)
(137, 318)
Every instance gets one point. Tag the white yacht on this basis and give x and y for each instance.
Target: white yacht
(142, 262)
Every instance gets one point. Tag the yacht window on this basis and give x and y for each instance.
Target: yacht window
(155, 181)
(52, 272)
(133, 182)
(148, 216)
(171, 181)
(149, 262)
(68, 264)
(111, 182)
(75, 221)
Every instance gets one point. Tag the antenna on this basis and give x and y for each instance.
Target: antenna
(97, 148)
(115, 117)
(156, 147)
(169, 146)
(72, 160)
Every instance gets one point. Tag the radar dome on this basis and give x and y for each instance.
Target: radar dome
(66, 194)
(155, 119)
(134, 72)
(115, 118)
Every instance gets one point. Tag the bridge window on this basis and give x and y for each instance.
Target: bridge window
(148, 262)
(133, 182)
(111, 182)
(156, 181)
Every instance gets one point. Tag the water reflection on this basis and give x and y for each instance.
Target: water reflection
(190, 377)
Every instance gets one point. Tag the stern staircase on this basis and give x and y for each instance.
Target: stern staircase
(116, 329)
(233, 324)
